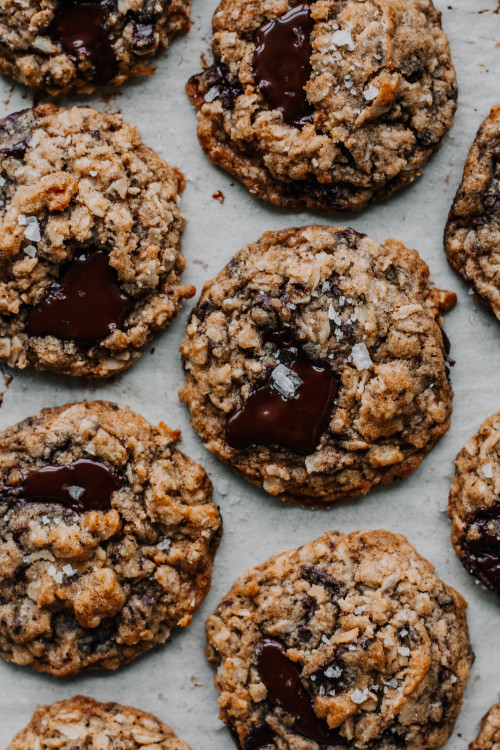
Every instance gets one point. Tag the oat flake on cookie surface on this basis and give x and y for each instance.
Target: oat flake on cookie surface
(315, 365)
(489, 734)
(325, 105)
(76, 45)
(472, 235)
(90, 242)
(82, 723)
(474, 504)
(349, 641)
(107, 537)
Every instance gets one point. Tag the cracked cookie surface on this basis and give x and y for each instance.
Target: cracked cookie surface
(362, 320)
(90, 724)
(372, 649)
(70, 45)
(85, 209)
(489, 735)
(472, 235)
(474, 504)
(380, 95)
(93, 577)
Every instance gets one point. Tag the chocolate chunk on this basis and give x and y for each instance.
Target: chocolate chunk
(333, 676)
(321, 578)
(292, 409)
(481, 546)
(215, 83)
(16, 133)
(80, 27)
(86, 303)
(282, 64)
(143, 35)
(260, 739)
(284, 688)
(82, 486)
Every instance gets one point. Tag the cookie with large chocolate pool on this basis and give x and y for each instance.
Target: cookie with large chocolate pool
(328, 104)
(107, 538)
(85, 724)
(90, 242)
(474, 504)
(472, 236)
(315, 365)
(76, 45)
(489, 735)
(350, 641)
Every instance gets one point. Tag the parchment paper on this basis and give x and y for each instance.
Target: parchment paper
(175, 681)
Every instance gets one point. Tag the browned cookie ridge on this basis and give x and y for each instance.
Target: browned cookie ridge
(489, 734)
(350, 641)
(472, 235)
(315, 365)
(76, 45)
(90, 242)
(88, 724)
(474, 504)
(107, 537)
(325, 105)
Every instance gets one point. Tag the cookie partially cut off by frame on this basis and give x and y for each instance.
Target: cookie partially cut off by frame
(90, 242)
(315, 365)
(350, 641)
(325, 105)
(107, 537)
(75, 45)
(474, 504)
(489, 734)
(85, 723)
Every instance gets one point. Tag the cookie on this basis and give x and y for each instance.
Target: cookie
(349, 641)
(472, 235)
(474, 504)
(489, 736)
(73, 45)
(315, 366)
(90, 724)
(107, 537)
(90, 242)
(325, 105)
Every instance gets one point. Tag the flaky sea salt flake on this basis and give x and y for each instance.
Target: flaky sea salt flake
(488, 471)
(361, 357)
(343, 38)
(285, 381)
(371, 93)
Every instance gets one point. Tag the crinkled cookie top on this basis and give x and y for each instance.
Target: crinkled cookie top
(66, 45)
(349, 641)
(380, 93)
(472, 236)
(364, 315)
(90, 725)
(107, 537)
(79, 191)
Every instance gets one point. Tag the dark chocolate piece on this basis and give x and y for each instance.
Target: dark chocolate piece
(284, 688)
(282, 64)
(86, 303)
(481, 546)
(80, 27)
(295, 421)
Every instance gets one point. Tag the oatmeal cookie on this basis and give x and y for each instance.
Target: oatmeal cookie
(349, 641)
(315, 366)
(489, 735)
(74, 45)
(325, 105)
(90, 724)
(472, 236)
(107, 537)
(90, 237)
(474, 504)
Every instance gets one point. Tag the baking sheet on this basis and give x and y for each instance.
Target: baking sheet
(175, 681)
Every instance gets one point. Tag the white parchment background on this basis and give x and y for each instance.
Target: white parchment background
(174, 681)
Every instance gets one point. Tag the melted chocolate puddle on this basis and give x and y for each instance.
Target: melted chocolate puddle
(483, 553)
(295, 421)
(80, 27)
(282, 64)
(82, 486)
(86, 303)
(284, 688)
